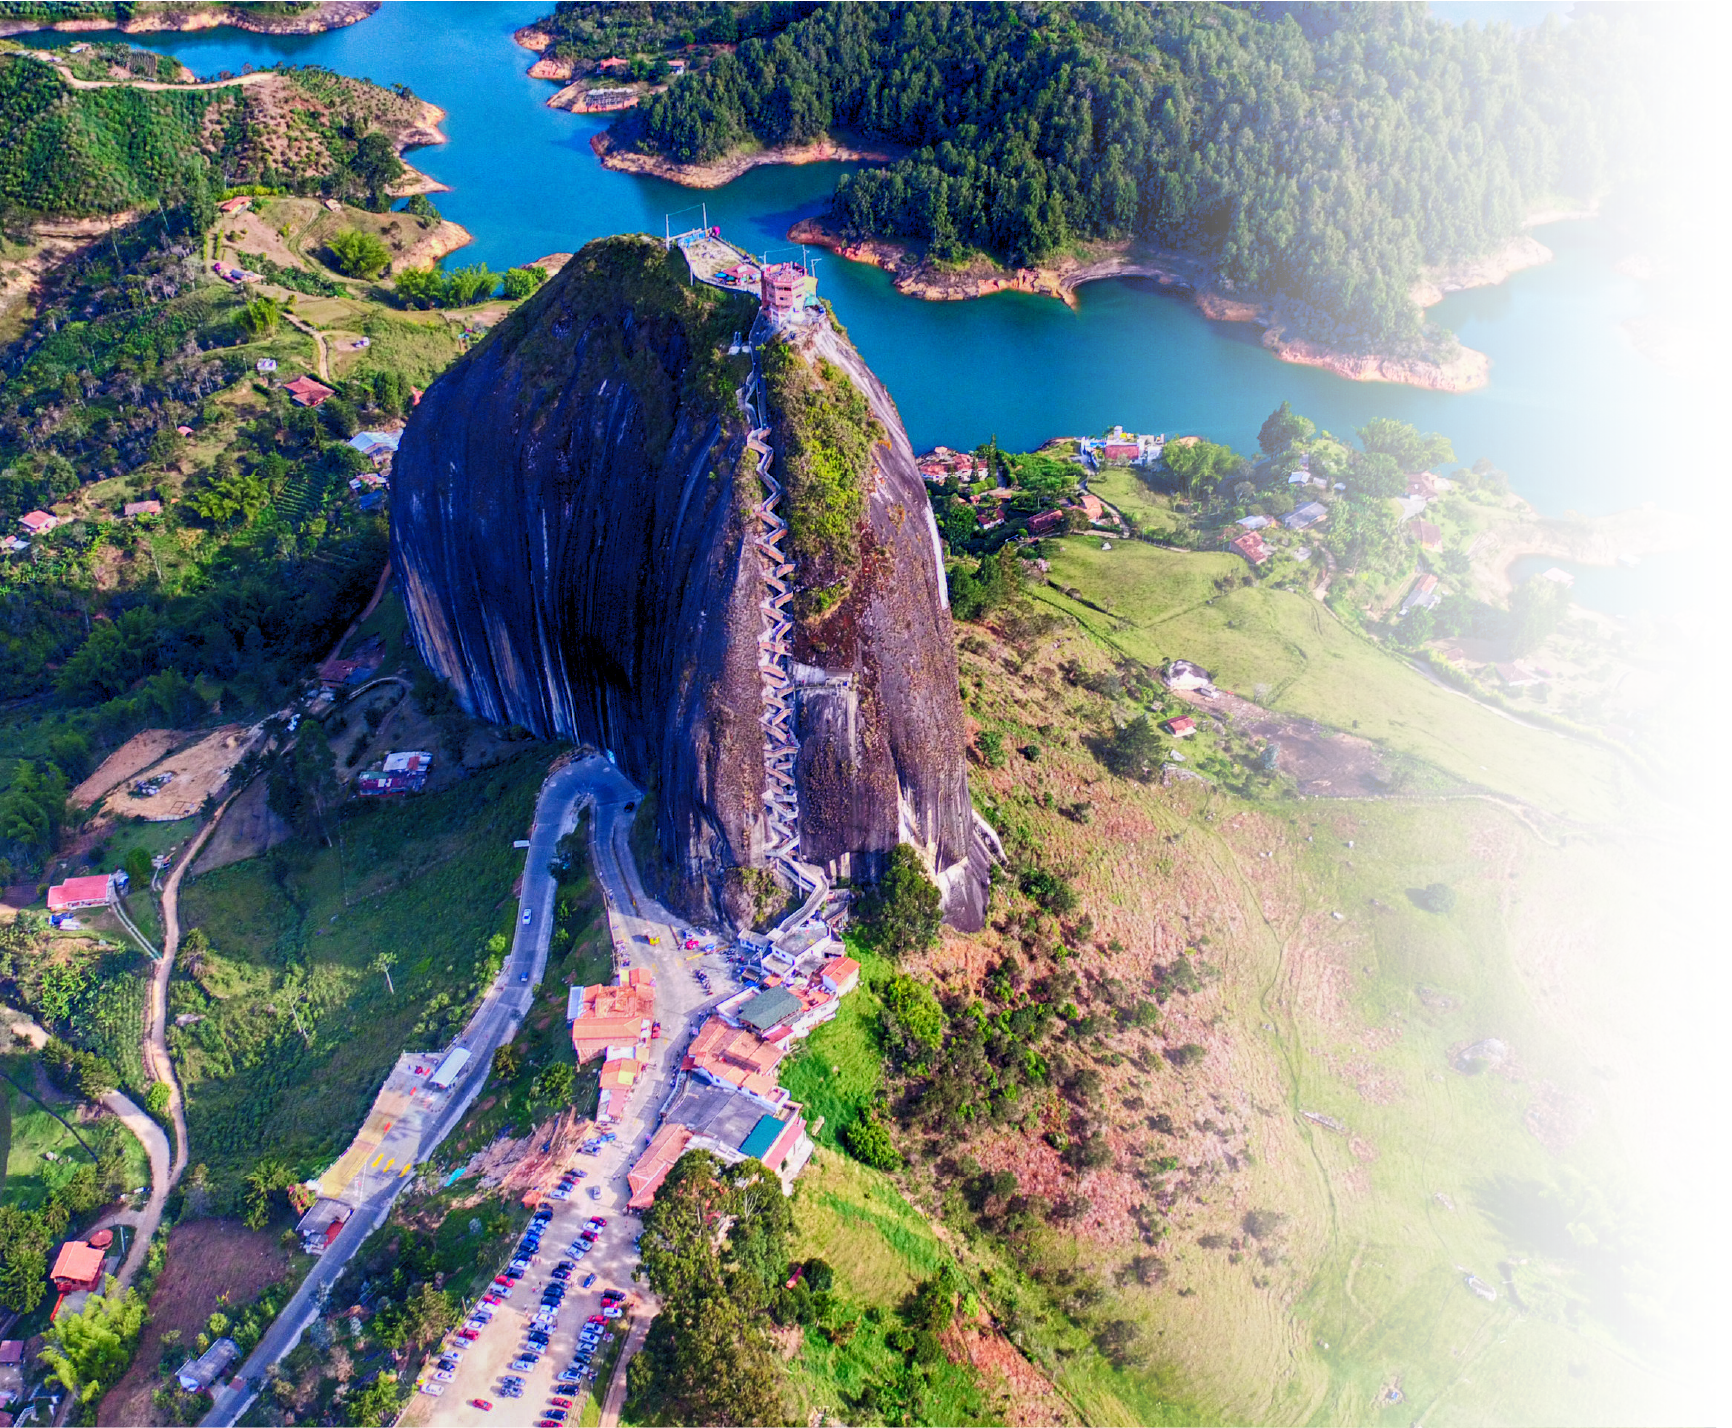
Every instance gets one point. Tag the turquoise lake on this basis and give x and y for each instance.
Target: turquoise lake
(1578, 418)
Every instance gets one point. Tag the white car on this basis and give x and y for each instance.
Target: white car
(612, 1311)
(444, 1375)
(432, 1390)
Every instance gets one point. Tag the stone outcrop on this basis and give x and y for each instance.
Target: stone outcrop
(572, 519)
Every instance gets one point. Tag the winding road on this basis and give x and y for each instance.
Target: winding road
(495, 1022)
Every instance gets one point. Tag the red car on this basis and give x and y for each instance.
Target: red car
(560, 1402)
(470, 1334)
(655, 1032)
(482, 1404)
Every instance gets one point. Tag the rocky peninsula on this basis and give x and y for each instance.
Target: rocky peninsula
(616, 151)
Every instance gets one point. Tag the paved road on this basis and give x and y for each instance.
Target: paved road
(495, 1022)
(633, 917)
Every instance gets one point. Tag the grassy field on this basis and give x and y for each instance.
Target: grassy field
(298, 1029)
(1340, 996)
(881, 1248)
(1121, 487)
(1286, 651)
(34, 1135)
(839, 1070)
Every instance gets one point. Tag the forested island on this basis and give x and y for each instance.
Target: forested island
(1319, 162)
(137, 17)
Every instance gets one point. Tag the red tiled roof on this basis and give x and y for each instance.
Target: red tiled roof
(92, 891)
(77, 1264)
(652, 1167)
(307, 392)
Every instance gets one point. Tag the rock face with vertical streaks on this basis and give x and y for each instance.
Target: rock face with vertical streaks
(571, 517)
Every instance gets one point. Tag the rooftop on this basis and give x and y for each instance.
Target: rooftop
(77, 1263)
(770, 1007)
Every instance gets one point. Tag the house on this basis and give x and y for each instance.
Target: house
(1092, 506)
(1306, 516)
(78, 1266)
(1044, 522)
(1298, 478)
(1182, 727)
(97, 890)
(787, 287)
(11, 1372)
(404, 772)
(1120, 450)
(234, 205)
(265, 364)
(769, 1009)
(307, 392)
(183, 431)
(611, 1016)
(1182, 674)
(1428, 535)
(612, 64)
(14, 544)
(1423, 595)
(1423, 485)
(646, 1176)
(198, 1375)
(736, 1057)
(1253, 523)
(142, 508)
(1516, 676)
(840, 975)
(1250, 545)
(38, 522)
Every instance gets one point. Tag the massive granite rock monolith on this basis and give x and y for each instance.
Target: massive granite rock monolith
(572, 513)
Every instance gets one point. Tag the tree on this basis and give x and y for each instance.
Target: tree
(383, 964)
(507, 1060)
(1134, 751)
(1377, 475)
(420, 287)
(376, 164)
(421, 207)
(88, 1351)
(1535, 608)
(359, 254)
(1402, 442)
(1203, 465)
(554, 1084)
(521, 282)
(259, 317)
(903, 912)
(469, 285)
(376, 1402)
(869, 1141)
(25, 1240)
(912, 1010)
(1283, 428)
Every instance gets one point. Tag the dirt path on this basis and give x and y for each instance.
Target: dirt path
(144, 1221)
(259, 78)
(324, 356)
(616, 1387)
(149, 1135)
(156, 1057)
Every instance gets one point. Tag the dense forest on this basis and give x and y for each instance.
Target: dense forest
(86, 151)
(646, 28)
(1320, 155)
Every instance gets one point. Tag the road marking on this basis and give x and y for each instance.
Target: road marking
(376, 1159)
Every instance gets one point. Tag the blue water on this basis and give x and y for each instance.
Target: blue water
(1576, 416)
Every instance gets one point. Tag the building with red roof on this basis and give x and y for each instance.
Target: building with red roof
(97, 890)
(307, 392)
(618, 1015)
(1182, 727)
(1250, 545)
(77, 1266)
(36, 522)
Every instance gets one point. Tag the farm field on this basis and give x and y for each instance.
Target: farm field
(1286, 651)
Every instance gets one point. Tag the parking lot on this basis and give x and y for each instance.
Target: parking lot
(682, 1001)
(483, 1365)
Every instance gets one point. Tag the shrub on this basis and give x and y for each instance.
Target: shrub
(910, 1006)
(1187, 1055)
(1433, 897)
(521, 282)
(358, 254)
(868, 1141)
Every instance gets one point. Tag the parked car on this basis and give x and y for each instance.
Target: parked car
(588, 1280)
(485, 1405)
(432, 1390)
(444, 1375)
(560, 1402)
(526, 917)
(613, 1311)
